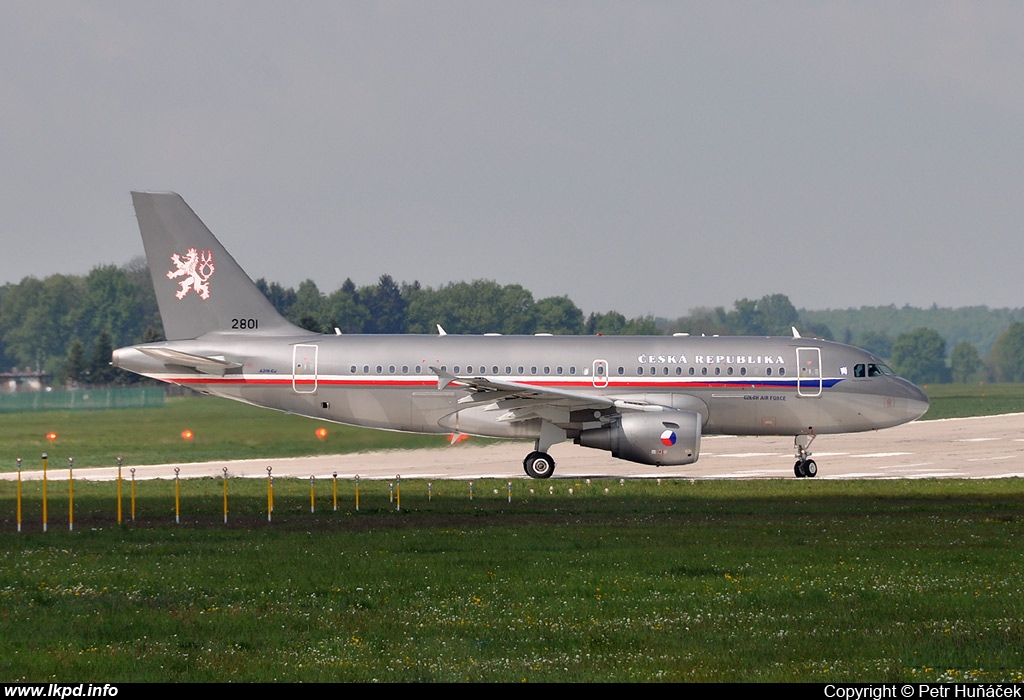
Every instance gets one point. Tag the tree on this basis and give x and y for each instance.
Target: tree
(878, 343)
(558, 315)
(920, 356)
(1007, 356)
(74, 364)
(965, 362)
(386, 306)
(611, 323)
(100, 370)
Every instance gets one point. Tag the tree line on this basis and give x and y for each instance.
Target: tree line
(67, 325)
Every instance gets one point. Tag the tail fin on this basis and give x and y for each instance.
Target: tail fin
(199, 286)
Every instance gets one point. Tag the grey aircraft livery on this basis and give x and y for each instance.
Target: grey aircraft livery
(644, 399)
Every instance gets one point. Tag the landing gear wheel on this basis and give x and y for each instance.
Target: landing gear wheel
(810, 468)
(799, 469)
(539, 465)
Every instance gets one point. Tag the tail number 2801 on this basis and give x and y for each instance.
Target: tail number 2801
(245, 324)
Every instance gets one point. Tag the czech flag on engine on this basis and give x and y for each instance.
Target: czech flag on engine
(668, 438)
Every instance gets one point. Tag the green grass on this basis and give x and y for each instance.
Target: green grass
(770, 580)
(221, 430)
(962, 400)
(765, 580)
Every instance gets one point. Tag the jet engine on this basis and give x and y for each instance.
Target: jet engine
(660, 437)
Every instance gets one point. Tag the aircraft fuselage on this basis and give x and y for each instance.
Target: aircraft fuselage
(738, 385)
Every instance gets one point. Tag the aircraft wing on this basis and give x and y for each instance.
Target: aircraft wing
(523, 401)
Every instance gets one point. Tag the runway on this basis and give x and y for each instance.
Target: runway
(990, 447)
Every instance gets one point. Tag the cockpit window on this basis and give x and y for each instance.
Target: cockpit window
(874, 369)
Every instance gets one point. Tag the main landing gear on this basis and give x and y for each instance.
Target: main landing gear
(538, 465)
(804, 467)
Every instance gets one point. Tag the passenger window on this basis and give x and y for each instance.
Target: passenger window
(782, 371)
(768, 371)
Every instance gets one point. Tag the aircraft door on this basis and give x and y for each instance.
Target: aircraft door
(304, 359)
(808, 378)
(600, 373)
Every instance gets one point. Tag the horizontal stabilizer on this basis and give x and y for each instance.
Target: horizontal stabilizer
(206, 365)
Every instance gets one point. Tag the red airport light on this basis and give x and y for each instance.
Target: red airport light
(186, 434)
(321, 433)
(51, 436)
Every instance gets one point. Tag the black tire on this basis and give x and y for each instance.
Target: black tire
(810, 468)
(799, 470)
(539, 465)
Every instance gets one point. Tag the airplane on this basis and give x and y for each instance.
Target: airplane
(644, 399)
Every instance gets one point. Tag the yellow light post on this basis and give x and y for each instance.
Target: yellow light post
(119, 483)
(44, 492)
(71, 494)
(19, 494)
(225, 495)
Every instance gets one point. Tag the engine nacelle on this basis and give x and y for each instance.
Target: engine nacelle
(659, 437)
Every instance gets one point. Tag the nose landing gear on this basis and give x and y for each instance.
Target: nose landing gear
(804, 467)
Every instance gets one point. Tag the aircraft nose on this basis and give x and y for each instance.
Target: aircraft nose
(917, 402)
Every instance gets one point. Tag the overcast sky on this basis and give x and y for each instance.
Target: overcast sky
(648, 157)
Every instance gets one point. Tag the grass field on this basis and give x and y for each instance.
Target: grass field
(770, 580)
(765, 580)
(962, 400)
(221, 429)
